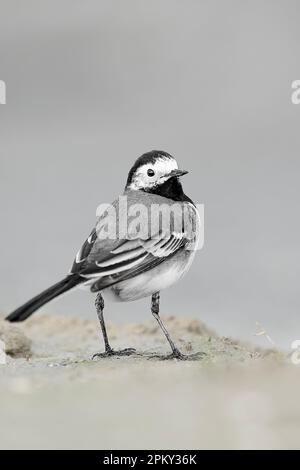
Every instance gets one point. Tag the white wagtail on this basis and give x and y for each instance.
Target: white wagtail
(129, 267)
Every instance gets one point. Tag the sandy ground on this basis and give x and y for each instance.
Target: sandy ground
(53, 396)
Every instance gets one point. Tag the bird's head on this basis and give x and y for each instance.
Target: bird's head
(152, 170)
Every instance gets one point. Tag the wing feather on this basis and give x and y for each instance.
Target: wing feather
(106, 261)
(131, 258)
(115, 268)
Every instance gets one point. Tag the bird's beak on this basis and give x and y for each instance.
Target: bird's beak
(177, 173)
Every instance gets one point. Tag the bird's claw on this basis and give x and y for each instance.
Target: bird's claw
(112, 352)
(176, 354)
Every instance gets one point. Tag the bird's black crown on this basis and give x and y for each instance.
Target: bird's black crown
(148, 157)
(171, 189)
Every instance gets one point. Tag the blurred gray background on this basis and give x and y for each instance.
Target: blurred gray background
(93, 84)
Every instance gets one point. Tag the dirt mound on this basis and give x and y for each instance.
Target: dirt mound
(16, 343)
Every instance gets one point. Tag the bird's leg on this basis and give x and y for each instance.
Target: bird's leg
(176, 354)
(155, 312)
(99, 303)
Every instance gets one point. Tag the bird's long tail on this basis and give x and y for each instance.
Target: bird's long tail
(23, 312)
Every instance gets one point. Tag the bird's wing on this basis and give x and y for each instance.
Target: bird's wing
(128, 259)
(105, 261)
(84, 252)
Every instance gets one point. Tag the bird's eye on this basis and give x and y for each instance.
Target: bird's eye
(150, 172)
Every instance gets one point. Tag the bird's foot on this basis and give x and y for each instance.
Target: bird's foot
(111, 352)
(176, 354)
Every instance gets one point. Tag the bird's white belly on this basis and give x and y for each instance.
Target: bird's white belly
(146, 284)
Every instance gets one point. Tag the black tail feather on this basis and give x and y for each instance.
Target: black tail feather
(23, 312)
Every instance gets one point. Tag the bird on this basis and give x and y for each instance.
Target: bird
(138, 263)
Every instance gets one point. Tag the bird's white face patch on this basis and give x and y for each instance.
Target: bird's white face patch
(144, 177)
